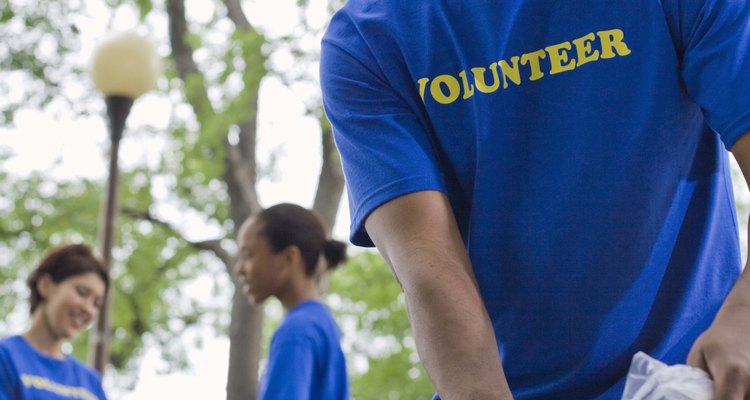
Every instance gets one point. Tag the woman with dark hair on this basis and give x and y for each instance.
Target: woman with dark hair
(67, 292)
(281, 249)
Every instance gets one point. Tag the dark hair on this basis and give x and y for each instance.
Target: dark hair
(288, 224)
(63, 262)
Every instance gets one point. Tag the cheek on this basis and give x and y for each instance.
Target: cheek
(56, 310)
(57, 304)
(94, 314)
(255, 275)
(243, 269)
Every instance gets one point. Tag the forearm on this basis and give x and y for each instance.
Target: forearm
(724, 349)
(454, 336)
(740, 294)
(418, 236)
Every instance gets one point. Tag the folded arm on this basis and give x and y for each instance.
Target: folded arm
(418, 236)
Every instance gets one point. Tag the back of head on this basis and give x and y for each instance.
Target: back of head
(62, 263)
(288, 224)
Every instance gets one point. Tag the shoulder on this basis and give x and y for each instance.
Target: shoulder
(86, 376)
(310, 313)
(360, 9)
(8, 347)
(369, 19)
(303, 316)
(10, 342)
(84, 368)
(309, 320)
(83, 375)
(12, 345)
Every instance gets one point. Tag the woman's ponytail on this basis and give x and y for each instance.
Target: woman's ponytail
(334, 252)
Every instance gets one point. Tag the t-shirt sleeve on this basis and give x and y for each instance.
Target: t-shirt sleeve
(95, 384)
(385, 147)
(714, 38)
(8, 377)
(289, 372)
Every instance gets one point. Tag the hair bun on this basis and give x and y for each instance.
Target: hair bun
(334, 253)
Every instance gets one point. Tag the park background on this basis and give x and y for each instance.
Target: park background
(234, 124)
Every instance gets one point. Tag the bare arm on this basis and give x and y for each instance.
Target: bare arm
(724, 349)
(418, 236)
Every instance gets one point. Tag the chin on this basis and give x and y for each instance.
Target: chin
(257, 300)
(70, 333)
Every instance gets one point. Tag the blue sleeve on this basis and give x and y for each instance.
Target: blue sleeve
(713, 38)
(96, 385)
(381, 133)
(8, 377)
(99, 390)
(289, 373)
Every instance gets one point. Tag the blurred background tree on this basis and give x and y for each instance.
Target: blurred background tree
(193, 178)
(198, 165)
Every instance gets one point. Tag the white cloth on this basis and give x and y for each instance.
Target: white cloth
(650, 379)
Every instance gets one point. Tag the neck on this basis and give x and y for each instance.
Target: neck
(41, 337)
(300, 291)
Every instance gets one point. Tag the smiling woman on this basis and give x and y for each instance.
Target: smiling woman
(67, 291)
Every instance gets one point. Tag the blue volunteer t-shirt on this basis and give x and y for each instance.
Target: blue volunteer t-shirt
(582, 145)
(305, 361)
(27, 374)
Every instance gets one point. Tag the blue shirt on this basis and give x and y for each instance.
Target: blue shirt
(582, 145)
(305, 360)
(27, 374)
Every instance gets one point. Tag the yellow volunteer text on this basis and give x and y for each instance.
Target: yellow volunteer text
(42, 383)
(561, 57)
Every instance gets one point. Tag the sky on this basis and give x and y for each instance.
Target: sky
(74, 147)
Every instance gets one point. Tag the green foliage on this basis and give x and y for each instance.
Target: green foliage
(150, 262)
(38, 215)
(369, 304)
(39, 52)
(6, 14)
(144, 6)
(197, 156)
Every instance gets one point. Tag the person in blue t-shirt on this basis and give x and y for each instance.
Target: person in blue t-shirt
(280, 250)
(67, 292)
(550, 183)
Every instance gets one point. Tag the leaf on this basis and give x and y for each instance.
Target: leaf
(144, 7)
(7, 14)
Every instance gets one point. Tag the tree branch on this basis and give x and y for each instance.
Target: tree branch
(235, 13)
(240, 178)
(182, 52)
(213, 246)
(241, 164)
(331, 178)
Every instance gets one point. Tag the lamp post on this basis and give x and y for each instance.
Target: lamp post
(124, 66)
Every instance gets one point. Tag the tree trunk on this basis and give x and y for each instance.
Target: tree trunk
(331, 179)
(246, 320)
(244, 346)
(245, 327)
(240, 176)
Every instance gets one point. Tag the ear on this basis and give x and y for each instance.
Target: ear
(292, 256)
(44, 286)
